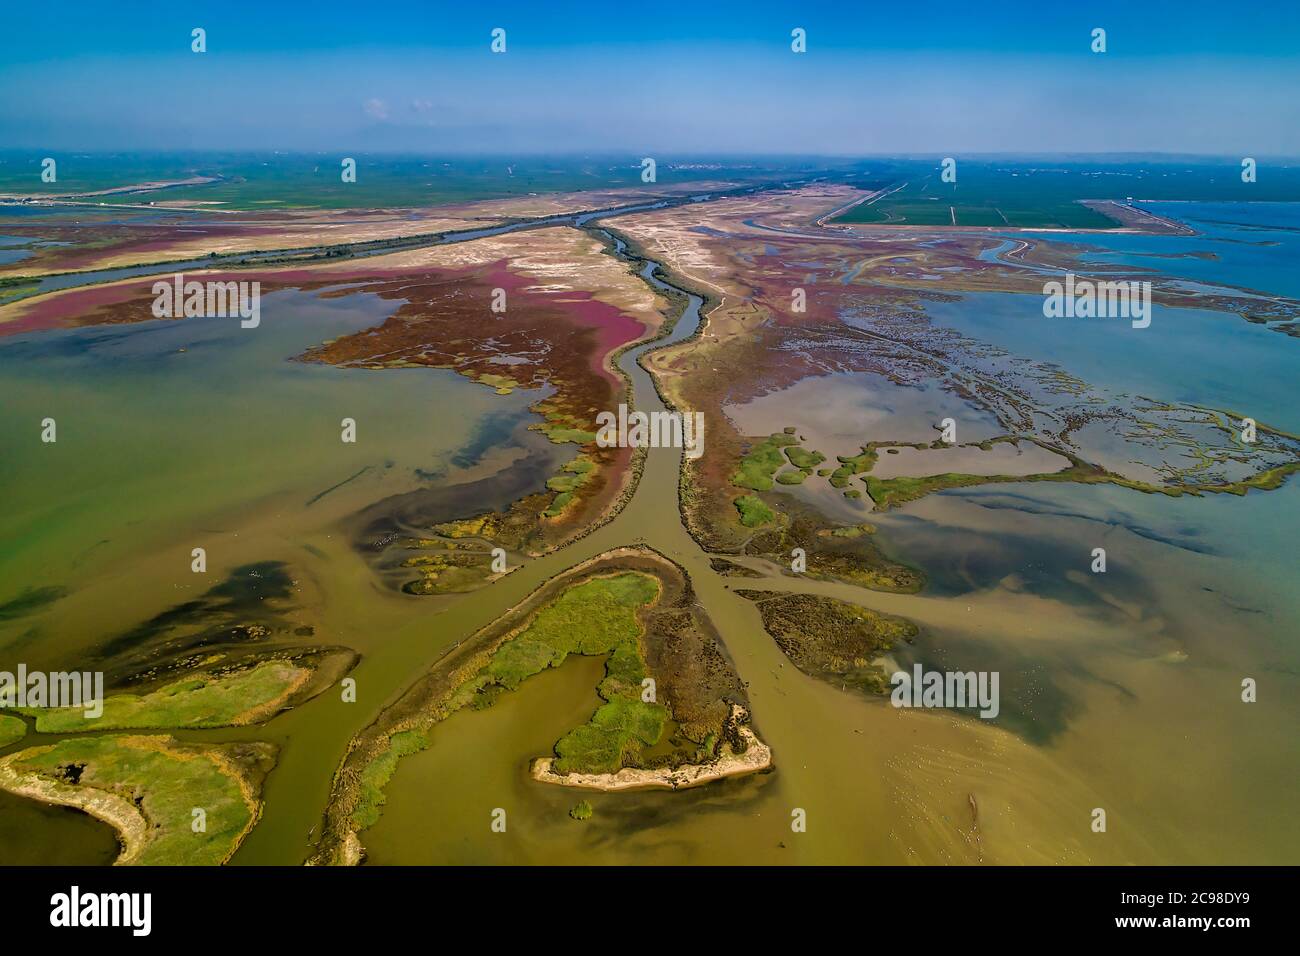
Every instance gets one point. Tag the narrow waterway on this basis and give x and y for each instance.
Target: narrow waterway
(316, 734)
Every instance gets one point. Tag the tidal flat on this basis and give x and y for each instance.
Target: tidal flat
(1118, 688)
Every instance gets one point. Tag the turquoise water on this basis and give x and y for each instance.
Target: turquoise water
(1186, 355)
(1256, 245)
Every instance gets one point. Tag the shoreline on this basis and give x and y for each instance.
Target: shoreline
(756, 758)
(137, 832)
(128, 823)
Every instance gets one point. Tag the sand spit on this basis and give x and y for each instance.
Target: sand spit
(757, 756)
(118, 812)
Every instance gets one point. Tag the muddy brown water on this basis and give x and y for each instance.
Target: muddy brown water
(1125, 689)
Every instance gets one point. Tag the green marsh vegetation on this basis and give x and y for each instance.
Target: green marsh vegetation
(803, 459)
(376, 774)
(783, 523)
(452, 567)
(12, 730)
(17, 287)
(597, 617)
(753, 511)
(165, 781)
(761, 467)
(834, 552)
(832, 639)
(891, 492)
(631, 607)
(761, 462)
(198, 700)
(574, 475)
(887, 493)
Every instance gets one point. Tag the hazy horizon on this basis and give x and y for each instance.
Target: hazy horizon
(421, 78)
(1117, 156)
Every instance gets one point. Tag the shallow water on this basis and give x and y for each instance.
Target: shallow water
(1255, 245)
(1115, 697)
(67, 837)
(198, 433)
(837, 414)
(8, 256)
(1003, 458)
(1197, 356)
(1120, 690)
(525, 725)
(174, 435)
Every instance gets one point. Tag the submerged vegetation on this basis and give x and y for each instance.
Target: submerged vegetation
(452, 567)
(833, 552)
(832, 639)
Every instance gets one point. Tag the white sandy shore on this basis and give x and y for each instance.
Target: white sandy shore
(757, 756)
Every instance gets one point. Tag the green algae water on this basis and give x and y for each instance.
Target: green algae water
(199, 433)
(175, 435)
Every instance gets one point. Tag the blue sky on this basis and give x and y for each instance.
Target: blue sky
(666, 78)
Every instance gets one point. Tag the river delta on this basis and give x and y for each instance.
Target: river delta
(401, 646)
